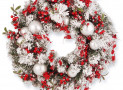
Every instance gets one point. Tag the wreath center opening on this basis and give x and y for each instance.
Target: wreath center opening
(60, 45)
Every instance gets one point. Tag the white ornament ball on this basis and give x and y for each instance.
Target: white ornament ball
(66, 20)
(87, 29)
(71, 73)
(39, 69)
(35, 27)
(24, 30)
(94, 44)
(20, 40)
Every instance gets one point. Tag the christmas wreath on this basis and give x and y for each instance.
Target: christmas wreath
(82, 20)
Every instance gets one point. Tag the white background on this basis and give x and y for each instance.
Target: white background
(114, 80)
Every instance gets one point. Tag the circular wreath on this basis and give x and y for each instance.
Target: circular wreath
(82, 20)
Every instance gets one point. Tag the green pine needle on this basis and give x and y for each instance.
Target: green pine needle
(18, 7)
(80, 9)
(5, 29)
(103, 16)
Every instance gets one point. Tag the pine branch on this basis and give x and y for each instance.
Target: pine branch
(15, 9)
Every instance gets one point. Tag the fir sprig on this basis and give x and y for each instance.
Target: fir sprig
(15, 9)
(5, 31)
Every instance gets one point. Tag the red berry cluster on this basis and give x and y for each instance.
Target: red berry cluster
(44, 84)
(35, 2)
(36, 50)
(84, 52)
(60, 62)
(46, 75)
(86, 88)
(112, 52)
(77, 87)
(98, 23)
(15, 21)
(39, 37)
(11, 35)
(67, 2)
(68, 37)
(65, 29)
(52, 68)
(30, 9)
(62, 1)
(46, 37)
(44, 16)
(27, 77)
(96, 69)
(87, 2)
(114, 46)
(28, 51)
(51, 56)
(81, 40)
(64, 80)
(97, 74)
(77, 15)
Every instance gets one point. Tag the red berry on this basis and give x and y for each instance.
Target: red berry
(95, 12)
(25, 78)
(13, 33)
(55, 8)
(65, 83)
(39, 12)
(82, 63)
(112, 52)
(86, 60)
(19, 29)
(102, 25)
(83, 22)
(46, 8)
(102, 32)
(8, 36)
(114, 46)
(26, 75)
(86, 88)
(11, 16)
(96, 31)
(113, 58)
(61, 81)
(15, 27)
(22, 77)
(12, 38)
(67, 79)
(87, 24)
(10, 32)
(32, 79)
(60, 62)
(68, 37)
(61, 74)
(114, 36)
